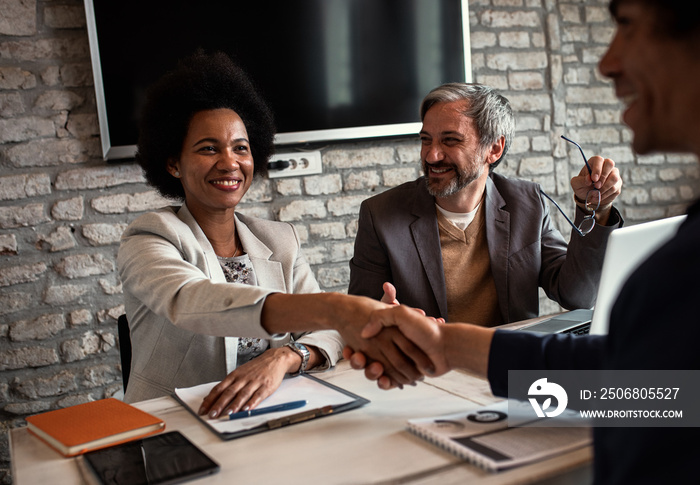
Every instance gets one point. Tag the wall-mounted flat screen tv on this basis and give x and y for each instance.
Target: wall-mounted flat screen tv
(330, 69)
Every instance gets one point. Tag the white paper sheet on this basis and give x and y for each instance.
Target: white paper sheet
(297, 388)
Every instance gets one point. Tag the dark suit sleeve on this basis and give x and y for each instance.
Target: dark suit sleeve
(513, 350)
(369, 266)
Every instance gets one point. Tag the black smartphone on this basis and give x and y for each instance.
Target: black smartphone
(161, 459)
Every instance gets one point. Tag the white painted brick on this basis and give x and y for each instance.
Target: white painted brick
(288, 186)
(64, 16)
(397, 176)
(535, 166)
(80, 317)
(541, 143)
(358, 158)
(521, 61)
(596, 14)
(409, 152)
(670, 174)
(522, 81)
(496, 81)
(480, 40)
(687, 192)
(576, 34)
(27, 357)
(29, 215)
(516, 40)
(39, 328)
(26, 128)
(364, 180)
(97, 178)
(58, 240)
(11, 302)
(11, 104)
(327, 230)
(664, 194)
(102, 234)
(506, 19)
(634, 196)
(82, 265)
(531, 102)
(570, 13)
(63, 294)
(48, 152)
(22, 186)
(323, 184)
(301, 209)
(68, 210)
(58, 100)
(16, 78)
(8, 244)
(18, 18)
(15, 275)
(342, 206)
(657, 159)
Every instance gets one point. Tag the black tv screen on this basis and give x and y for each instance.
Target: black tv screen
(330, 69)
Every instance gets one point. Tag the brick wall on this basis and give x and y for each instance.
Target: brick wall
(62, 208)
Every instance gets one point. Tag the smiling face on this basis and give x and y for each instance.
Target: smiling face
(215, 165)
(656, 77)
(450, 152)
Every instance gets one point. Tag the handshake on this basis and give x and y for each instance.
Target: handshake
(400, 345)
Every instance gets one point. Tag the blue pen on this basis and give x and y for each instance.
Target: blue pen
(269, 409)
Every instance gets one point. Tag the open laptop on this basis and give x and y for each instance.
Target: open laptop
(627, 248)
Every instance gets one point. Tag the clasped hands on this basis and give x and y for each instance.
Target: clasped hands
(406, 345)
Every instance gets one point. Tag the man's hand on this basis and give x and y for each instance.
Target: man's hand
(605, 177)
(389, 294)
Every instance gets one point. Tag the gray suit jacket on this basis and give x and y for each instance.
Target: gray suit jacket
(398, 241)
(183, 315)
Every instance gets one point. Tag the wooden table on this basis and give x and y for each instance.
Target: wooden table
(369, 445)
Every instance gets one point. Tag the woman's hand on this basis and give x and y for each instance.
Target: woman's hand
(248, 385)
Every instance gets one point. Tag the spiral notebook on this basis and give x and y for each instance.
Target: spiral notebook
(483, 437)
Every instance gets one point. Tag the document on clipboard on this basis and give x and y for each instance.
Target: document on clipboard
(322, 399)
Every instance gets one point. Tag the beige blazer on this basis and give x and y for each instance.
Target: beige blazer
(184, 316)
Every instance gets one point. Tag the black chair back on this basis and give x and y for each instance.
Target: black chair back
(124, 347)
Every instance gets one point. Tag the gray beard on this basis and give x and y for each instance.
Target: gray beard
(463, 178)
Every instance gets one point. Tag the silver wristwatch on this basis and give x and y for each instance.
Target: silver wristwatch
(303, 353)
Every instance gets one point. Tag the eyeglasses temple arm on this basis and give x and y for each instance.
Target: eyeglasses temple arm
(585, 160)
(580, 233)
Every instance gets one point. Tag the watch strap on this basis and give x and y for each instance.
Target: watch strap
(303, 352)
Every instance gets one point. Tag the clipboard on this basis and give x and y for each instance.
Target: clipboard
(323, 399)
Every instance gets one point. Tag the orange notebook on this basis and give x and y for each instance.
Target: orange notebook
(93, 425)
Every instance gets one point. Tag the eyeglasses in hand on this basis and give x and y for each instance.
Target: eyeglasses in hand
(592, 201)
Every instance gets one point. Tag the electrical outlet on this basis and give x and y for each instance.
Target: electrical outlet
(300, 163)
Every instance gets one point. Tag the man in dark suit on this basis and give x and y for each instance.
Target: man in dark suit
(466, 244)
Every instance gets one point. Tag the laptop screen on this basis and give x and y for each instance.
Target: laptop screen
(627, 248)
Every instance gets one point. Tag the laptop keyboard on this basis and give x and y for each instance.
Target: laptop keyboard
(580, 330)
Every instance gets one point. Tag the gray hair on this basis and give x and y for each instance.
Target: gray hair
(490, 111)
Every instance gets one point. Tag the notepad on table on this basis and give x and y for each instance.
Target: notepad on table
(322, 399)
(93, 425)
(483, 437)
